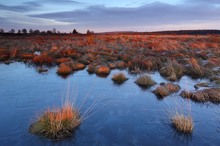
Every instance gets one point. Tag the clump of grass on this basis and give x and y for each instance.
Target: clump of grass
(182, 123)
(119, 78)
(57, 123)
(166, 89)
(202, 84)
(173, 71)
(196, 71)
(102, 70)
(91, 69)
(42, 59)
(64, 69)
(205, 95)
(145, 81)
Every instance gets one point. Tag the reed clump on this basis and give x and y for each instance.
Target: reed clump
(57, 123)
(119, 78)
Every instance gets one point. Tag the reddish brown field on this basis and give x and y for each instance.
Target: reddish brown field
(193, 55)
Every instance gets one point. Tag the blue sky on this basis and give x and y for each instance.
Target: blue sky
(114, 15)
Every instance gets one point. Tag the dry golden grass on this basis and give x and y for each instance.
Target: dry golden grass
(64, 69)
(42, 59)
(102, 70)
(57, 123)
(145, 81)
(119, 78)
(182, 123)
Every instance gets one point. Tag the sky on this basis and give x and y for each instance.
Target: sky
(110, 15)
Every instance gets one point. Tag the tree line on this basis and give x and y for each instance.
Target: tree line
(36, 31)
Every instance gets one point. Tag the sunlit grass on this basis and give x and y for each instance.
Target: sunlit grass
(182, 123)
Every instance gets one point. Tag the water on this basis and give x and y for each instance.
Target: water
(133, 116)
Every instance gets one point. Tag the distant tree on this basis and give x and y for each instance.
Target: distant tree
(54, 30)
(58, 32)
(2, 30)
(75, 32)
(89, 32)
(49, 32)
(31, 31)
(12, 31)
(43, 32)
(24, 31)
(36, 31)
(19, 31)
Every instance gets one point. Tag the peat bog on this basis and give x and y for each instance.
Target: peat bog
(153, 87)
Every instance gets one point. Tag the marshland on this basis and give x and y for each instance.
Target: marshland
(122, 89)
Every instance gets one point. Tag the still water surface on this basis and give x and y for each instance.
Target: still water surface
(132, 116)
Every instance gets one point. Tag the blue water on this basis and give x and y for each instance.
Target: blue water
(132, 116)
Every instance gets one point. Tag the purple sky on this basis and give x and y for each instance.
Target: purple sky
(114, 15)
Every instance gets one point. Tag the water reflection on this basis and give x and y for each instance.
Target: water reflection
(132, 116)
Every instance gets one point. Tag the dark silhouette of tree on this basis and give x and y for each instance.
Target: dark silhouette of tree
(49, 32)
(75, 32)
(31, 31)
(12, 31)
(19, 31)
(2, 30)
(24, 31)
(54, 30)
(89, 32)
(36, 31)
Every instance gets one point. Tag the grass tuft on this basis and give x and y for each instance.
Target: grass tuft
(145, 81)
(119, 78)
(182, 123)
(64, 69)
(57, 123)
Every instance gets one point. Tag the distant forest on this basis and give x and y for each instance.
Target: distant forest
(53, 31)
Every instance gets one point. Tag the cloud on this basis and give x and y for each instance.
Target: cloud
(25, 7)
(203, 1)
(38, 5)
(19, 20)
(149, 16)
(145, 15)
